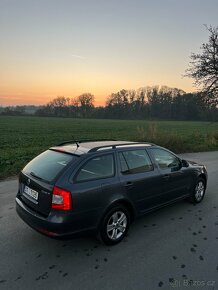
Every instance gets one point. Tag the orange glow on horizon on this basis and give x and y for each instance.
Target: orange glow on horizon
(18, 100)
(29, 98)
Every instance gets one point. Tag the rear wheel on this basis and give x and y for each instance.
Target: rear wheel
(115, 225)
(199, 191)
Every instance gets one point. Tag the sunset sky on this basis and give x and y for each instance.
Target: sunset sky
(52, 48)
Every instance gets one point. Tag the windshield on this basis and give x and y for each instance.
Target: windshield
(47, 165)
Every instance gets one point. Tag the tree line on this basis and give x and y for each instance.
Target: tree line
(161, 103)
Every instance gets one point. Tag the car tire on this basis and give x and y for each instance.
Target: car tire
(114, 225)
(198, 191)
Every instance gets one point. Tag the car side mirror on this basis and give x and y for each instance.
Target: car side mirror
(184, 163)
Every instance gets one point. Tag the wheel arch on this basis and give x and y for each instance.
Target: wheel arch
(203, 176)
(124, 202)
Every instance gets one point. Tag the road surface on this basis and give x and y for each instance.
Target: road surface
(173, 248)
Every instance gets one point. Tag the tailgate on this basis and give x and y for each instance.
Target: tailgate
(35, 193)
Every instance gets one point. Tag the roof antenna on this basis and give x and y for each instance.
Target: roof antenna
(77, 142)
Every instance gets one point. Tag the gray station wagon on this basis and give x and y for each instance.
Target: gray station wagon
(102, 186)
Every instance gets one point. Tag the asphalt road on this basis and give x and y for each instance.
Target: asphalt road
(173, 248)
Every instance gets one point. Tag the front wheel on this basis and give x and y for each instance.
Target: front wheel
(115, 225)
(199, 191)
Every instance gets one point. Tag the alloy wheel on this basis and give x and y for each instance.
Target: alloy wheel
(117, 225)
(199, 191)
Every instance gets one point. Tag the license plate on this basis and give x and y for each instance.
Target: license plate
(30, 192)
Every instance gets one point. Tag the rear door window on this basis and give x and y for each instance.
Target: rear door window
(135, 161)
(96, 168)
(48, 165)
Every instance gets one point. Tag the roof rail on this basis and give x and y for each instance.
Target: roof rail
(83, 141)
(114, 146)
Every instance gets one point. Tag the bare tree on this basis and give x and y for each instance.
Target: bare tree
(59, 102)
(86, 104)
(86, 100)
(203, 68)
(75, 102)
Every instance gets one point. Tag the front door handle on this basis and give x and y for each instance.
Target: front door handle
(166, 177)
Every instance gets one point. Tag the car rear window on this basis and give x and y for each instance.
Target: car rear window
(48, 164)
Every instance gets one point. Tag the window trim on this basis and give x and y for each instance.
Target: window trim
(97, 178)
(121, 164)
(135, 149)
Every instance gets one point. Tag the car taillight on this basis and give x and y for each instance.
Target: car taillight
(61, 199)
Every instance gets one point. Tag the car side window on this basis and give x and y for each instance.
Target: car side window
(165, 159)
(135, 161)
(96, 168)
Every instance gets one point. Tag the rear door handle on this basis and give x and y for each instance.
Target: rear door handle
(128, 184)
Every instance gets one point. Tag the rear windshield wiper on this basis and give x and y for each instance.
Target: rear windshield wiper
(36, 176)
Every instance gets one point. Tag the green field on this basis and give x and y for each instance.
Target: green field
(21, 138)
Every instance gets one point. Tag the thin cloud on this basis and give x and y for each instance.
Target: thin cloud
(78, 56)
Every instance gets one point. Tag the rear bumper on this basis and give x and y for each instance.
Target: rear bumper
(57, 223)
